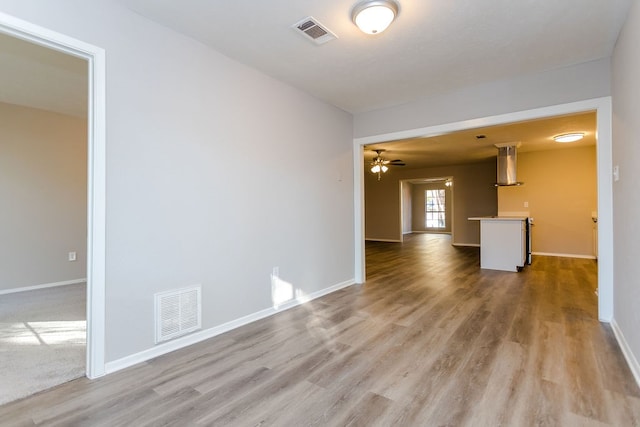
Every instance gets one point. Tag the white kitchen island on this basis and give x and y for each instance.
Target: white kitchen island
(503, 242)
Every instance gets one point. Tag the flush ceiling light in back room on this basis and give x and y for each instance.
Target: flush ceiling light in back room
(569, 137)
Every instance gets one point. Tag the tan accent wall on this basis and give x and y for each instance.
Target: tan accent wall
(418, 196)
(43, 188)
(560, 189)
(473, 195)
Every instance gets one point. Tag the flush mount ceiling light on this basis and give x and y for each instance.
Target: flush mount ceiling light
(374, 16)
(569, 137)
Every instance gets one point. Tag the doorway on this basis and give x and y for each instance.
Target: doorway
(602, 107)
(96, 175)
(427, 205)
(43, 228)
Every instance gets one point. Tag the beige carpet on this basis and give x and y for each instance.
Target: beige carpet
(42, 339)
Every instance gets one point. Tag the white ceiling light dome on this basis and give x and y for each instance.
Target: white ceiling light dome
(569, 137)
(374, 16)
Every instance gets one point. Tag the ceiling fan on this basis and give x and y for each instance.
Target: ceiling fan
(380, 165)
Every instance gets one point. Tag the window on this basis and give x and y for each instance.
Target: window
(434, 208)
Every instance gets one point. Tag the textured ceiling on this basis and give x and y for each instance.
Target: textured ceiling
(434, 46)
(463, 147)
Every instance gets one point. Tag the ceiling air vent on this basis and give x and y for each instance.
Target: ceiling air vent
(314, 30)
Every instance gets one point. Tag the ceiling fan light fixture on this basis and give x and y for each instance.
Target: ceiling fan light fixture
(569, 137)
(374, 16)
(379, 163)
(379, 167)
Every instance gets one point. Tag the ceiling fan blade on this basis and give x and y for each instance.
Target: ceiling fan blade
(396, 161)
(397, 164)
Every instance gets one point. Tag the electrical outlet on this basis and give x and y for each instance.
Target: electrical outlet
(72, 256)
(526, 204)
(276, 272)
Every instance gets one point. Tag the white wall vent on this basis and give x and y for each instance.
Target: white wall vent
(314, 30)
(177, 312)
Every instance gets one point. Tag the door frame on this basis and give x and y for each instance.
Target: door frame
(427, 180)
(96, 174)
(602, 107)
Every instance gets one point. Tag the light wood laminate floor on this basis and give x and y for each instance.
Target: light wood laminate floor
(429, 340)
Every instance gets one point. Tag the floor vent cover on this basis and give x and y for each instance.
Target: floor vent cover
(314, 30)
(177, 312)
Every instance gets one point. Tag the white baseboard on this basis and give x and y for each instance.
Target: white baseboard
(46, 285)
(626, 351)
(564, 255)
(470, 245)
(196, 337)
(382, 240)
(430, 232)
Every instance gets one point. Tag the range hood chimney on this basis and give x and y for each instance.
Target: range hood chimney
(507, 164)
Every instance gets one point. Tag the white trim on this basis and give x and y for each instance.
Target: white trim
(430, 232)
(373, 239)
(196, 337)
(470, 245)
(626, 351)
(564, 255)
(360, 270)
(407, 232)
(96, 174)
(604, 168)
(605, 190)
(44, 286)
(401, 204)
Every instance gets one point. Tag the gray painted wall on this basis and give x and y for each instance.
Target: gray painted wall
(626, 197)
(216, 173)
(583, 81)
(43, 183)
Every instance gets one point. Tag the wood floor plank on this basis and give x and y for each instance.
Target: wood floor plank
(623, 410)
(367, 411)
(498, 402)
(430, 339)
